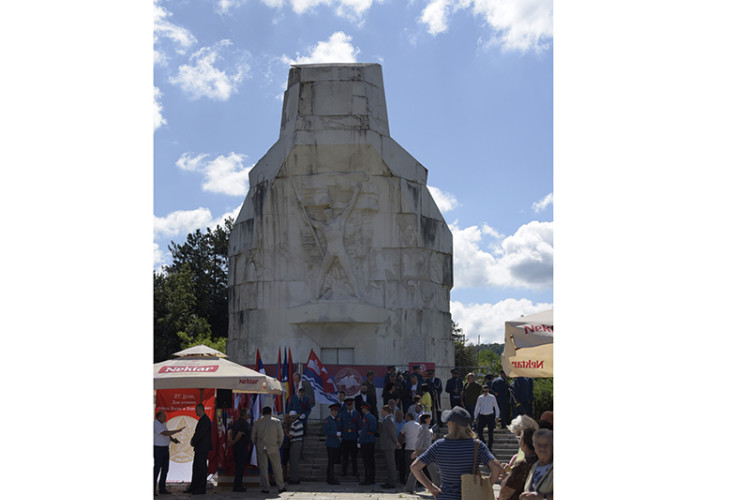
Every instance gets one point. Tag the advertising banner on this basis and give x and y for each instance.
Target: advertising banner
(179, 405)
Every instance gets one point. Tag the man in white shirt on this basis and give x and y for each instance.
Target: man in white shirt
(162, 437)
(409, 432)
(486, 413)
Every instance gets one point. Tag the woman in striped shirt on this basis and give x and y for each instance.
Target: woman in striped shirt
(454, 456)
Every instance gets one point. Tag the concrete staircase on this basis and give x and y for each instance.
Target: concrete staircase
(315, 456)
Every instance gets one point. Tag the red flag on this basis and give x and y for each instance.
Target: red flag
(278, 403)
(292, 388)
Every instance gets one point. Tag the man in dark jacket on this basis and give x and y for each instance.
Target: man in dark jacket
(500, 388)
(239, 439)
(201, 443)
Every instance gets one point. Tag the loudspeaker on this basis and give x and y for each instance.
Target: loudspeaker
(224, 398)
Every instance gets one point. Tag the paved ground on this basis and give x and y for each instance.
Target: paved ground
(304, 491)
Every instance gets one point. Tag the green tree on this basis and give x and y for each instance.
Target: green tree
(464, 355)
(174, 312)
(206, 253)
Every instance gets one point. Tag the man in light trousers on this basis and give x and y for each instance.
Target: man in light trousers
(267, 436)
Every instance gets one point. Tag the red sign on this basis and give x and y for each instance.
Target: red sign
(538, 328)
(188, 369)
(528, 364)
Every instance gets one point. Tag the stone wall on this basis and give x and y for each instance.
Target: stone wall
(339, 243)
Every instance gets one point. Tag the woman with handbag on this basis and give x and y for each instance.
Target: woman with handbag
(458, 456)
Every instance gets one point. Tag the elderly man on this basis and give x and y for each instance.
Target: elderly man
(389, 444)
(267, 435)
(297, 435)
(539, 481)
(162, 437)
(201, 443)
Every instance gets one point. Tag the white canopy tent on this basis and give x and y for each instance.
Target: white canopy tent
(204, 368)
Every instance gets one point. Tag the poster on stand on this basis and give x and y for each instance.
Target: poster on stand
(179, 405)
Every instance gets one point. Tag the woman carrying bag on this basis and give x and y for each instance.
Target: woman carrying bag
(459, 453)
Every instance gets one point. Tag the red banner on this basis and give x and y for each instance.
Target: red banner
(179, 405)
(421, 367)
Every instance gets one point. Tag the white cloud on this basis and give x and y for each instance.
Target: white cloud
(444, 200)
(542, 204)
(516, 24)
(223, 175)
(159, 120)
(204, 79)
(182, 222)
(488, 320)
(224, 6)
(163, 28)
(159, 256)
(523, 260)
(435, 16)
(337, 49)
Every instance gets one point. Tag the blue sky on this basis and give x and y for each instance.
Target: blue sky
(469, 94)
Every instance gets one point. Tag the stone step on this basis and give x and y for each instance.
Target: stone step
(315, 456)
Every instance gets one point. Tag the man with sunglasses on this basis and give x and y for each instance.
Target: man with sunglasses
(486, 413)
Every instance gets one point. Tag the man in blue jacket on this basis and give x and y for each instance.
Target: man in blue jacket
(332, 431)
(367, 443)
(350, 422)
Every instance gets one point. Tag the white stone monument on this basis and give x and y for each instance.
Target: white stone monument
(339, 246)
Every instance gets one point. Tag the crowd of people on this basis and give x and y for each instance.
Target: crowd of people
(402, 427)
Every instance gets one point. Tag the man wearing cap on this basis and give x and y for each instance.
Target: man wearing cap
(436, 388)
(500, 388)
(454, 387)
(471, 393)
(389, 444)
(332, 431)
(350, 423)
(367, 443)
(267, 436)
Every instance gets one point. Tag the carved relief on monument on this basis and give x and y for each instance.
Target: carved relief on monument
(324, 206)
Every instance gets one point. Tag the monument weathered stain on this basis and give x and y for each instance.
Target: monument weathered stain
(339, 244)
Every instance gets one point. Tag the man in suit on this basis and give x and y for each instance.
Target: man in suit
(267, 436)
(523, 389)
(201, 443)
(500, 388)
(389, 444)
(454, 387)
(436, 388)
(362, 398)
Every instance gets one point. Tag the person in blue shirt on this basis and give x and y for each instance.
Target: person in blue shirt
(454, 455)
(367, 442)
(350, 422)
(332, 431)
